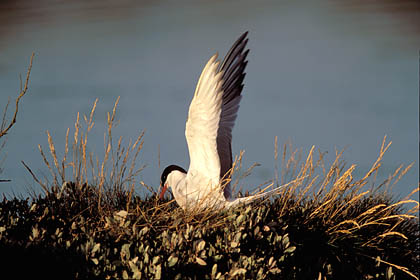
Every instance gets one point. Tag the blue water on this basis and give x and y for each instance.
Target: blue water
(330, 75)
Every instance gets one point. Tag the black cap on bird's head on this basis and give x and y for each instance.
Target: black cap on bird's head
(164, 176)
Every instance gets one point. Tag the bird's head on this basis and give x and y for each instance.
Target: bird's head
(165, 179)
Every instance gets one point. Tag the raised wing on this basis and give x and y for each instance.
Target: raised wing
(203, 123)
(233, 68)
(212, 114)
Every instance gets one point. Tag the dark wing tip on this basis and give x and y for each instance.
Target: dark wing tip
(236, 49)
(244, 35)
(233, 68)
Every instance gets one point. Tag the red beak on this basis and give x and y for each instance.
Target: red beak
(162, 192)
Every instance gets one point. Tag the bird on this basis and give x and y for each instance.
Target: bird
(208, 131)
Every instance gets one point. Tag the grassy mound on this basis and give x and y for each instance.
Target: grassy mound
(90, 223)
(67, 234)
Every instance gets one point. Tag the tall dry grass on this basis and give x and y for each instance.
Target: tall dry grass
(113, 175)
(345, 205)
(332, 196)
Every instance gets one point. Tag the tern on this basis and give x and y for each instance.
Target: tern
(211, 118)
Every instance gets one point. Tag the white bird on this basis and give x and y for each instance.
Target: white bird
(208, 131)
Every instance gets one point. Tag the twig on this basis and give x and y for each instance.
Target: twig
(22, 93)
(35, 178)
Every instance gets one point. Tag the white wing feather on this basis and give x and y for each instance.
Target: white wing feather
(203, 123)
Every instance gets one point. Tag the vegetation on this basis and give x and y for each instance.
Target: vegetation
(91, 223)
(6, 125)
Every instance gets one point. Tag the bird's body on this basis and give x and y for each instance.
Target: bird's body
(208, 131)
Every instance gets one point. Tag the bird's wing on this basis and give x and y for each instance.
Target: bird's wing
(203, 123)
(212, 114)
(233, 69)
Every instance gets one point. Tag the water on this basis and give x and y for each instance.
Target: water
(327, 74)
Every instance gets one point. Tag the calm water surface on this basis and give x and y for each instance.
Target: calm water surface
(329, 75)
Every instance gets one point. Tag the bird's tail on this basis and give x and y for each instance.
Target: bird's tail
(251, 198)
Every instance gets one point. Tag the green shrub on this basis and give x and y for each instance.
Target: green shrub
(66, 234)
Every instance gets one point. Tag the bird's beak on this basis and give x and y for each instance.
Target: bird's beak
(162, 192)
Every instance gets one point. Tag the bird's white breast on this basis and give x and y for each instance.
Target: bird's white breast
(195, 190)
